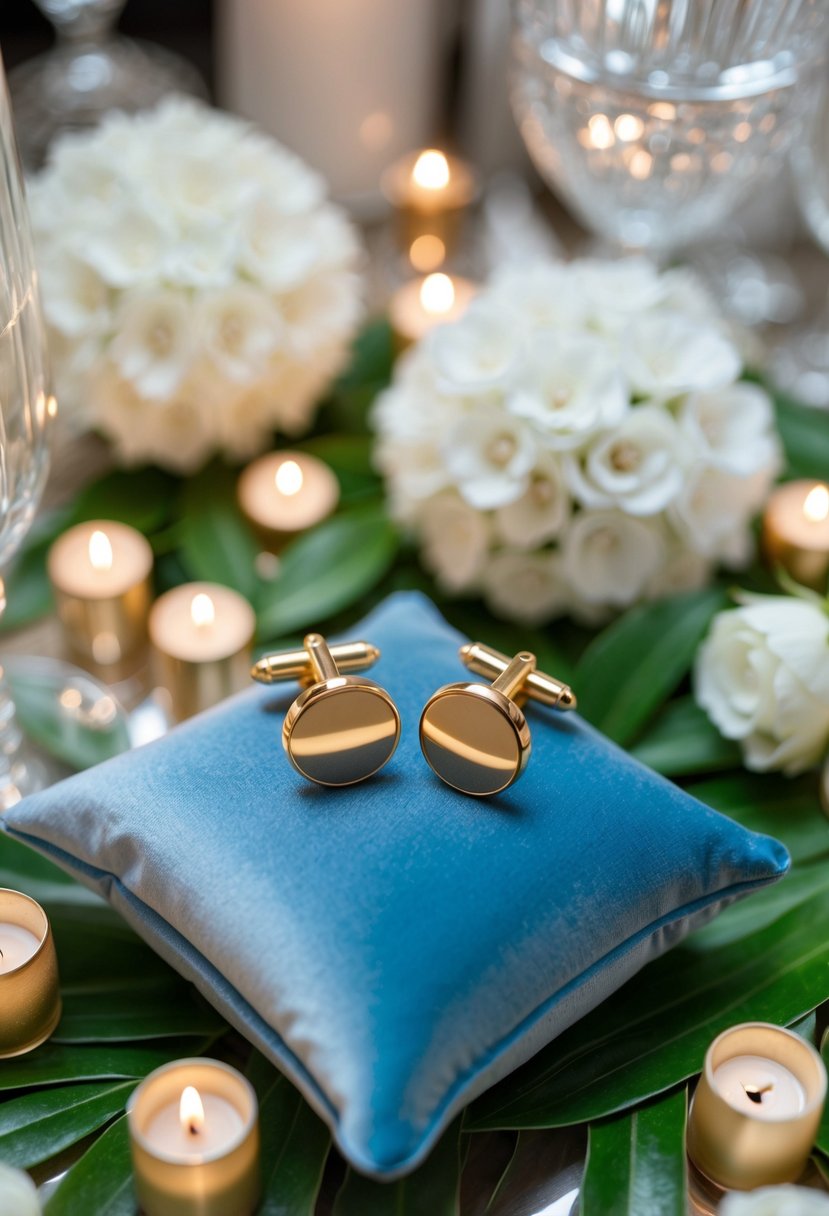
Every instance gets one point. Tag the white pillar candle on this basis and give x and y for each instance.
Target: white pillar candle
(195, 1141)
(17, 946)
(29, 993)
(796, 532)
(349, 85)
(757, 1107)
(100, 573)
(201, 636)
(284, 493)
(420, 305)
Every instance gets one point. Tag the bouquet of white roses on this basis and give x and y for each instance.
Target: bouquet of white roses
(199, 290)
(578, 441)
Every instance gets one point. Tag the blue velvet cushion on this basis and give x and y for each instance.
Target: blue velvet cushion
(395, 947)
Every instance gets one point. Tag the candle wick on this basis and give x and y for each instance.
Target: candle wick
(194, 1129)
(755, 1092)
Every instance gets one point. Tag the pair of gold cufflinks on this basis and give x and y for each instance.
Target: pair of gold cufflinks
(343, 728)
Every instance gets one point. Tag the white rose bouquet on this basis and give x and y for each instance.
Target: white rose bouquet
(776, 1201)
(762, 676)
(578, 441)
(199, 290)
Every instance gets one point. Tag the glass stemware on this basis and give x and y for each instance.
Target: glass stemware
(89, 72)
(26, 409)
(654, 120)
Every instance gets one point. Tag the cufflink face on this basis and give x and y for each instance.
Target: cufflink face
(474, 738)
(341, 731)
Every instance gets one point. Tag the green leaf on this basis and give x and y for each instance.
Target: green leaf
(350, 458)
(774, 805)
(805, 438)
(28, 590)
(54, 1064)
(96, 947)
(298, 1144)
(42, 1124)
(682, 740)
(101, 1182)
(620, 1054)
(141, 498)
(636, 1163)
(478, 625)
(125, 1013)
(327, 570)
(432, 1190)
(82, 735)
(215, 542)
(537, 1157)
(766, 906)
(637, 662)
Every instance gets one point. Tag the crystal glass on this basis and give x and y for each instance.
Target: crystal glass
(89, 72)
(653, 119)
(26, 408)
(800, 365)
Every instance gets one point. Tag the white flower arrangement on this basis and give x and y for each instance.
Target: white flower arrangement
(762, 676)
(776, 1201)
(18, 1193)
(199, 290)
(578, 441)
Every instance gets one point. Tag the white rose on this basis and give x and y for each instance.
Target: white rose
(325, 306)
(637, 466)
(571, 388)
(547, 296)
(489, 456)
(455, 541)
(667, 354)
(478, 353)
(130, 248)
(713, 510)
(776, 1201)
(76, 300)
(614, 291)
(682, 570)
(18, 1194)
(609, 558)
(762, 676)
(525, 587)
(240, 328)
(732, 429)
(540, 513)
(155, 342)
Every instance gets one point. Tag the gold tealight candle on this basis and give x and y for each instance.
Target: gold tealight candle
(796, 532)
(422, 304)
(285, 493)
(201, 635)
(757, 1108)
(194, 1135)
(29, 996)
(430, 192)
(100, 573)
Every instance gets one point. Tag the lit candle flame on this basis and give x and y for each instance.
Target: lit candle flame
(202, 611)
(427, 252)
(437, 293)
(431, 170)
(289, 478)
(100, 551)
(191, 1110)
(816, 506)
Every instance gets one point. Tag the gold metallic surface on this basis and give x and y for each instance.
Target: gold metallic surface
(192, 688)
(105, 631)
(485, 661)
(214, 1183)
(739, 1151)
(474, 737)
(29, 996)
(341, 729)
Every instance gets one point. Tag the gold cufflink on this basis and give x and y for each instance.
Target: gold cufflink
(341, 728)
(475, 736)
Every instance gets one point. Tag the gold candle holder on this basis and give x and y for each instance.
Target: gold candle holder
(420, 305)
(796, 532)
(431, 193)
(194, 1135)
(201, 635)
(100, 573)
(29, 994)
(757, 1108)
(285, 493)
